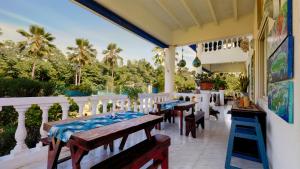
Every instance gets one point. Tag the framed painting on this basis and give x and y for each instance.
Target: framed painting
(281, 99)
(281, 63)
(281, 29)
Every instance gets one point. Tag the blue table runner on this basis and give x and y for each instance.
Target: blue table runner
(170, 105)
(63, 132)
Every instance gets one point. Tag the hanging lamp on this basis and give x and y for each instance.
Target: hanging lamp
(182, 62)
(196, 61)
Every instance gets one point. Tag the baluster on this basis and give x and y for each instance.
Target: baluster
(221, 97)
(141, 105)
(104, 104)
(114, 105)
(21, 132)
(80, 110)
(122, 104)
(146, 110)
(128, 105)
(94, 106)
(65, 111)
(134, 106)
(43, 133)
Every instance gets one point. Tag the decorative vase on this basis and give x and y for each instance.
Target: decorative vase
(246, 101)
(181, 63)
(196, 62)
(206, 85)
(154, 89)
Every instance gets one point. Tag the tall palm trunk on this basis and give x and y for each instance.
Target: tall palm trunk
(76, 77)
(112, 75)
(33, 69)
(79, 76)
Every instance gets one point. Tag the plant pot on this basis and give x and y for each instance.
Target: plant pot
(72, 93)
(222, 88)
(206, 85)
(154, 89)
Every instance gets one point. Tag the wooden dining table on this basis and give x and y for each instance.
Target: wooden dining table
(180, 108)
(82, 142)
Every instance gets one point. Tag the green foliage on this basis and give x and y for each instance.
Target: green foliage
(25, 88)
(7, 139)
(205, 77)
(219, 82)
(244, 82)
(84, 88)
(132, 92)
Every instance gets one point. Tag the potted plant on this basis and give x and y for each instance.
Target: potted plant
(79, 90)
(205, 81)
(219, 83)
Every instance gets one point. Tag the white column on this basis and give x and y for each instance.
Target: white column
(44, 120)
(21, 132)
(169, 69)
(221, 97)
(122, 104)
(199, 53)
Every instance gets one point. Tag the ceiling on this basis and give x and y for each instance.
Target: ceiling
(178, 22)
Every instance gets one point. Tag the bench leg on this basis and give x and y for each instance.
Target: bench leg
(76, 155)
(111, 146)
(122, 144)
(202, 122)
(165, 160)
(53, 153)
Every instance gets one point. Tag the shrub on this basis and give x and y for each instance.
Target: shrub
(132, 92)
(25, 88)
(84, 88)
(7, 139)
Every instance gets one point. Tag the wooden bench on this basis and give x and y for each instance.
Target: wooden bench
(158, 126)
(135, 157)
(192, 122)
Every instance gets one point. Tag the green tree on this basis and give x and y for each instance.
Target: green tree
(159, 56)
(81, 55)
(112, 57)
(1, 44)
(37, 45)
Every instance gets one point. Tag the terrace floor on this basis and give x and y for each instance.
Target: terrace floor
(207, 151)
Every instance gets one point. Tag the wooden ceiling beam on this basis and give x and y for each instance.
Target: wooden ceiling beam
(190, 12)
(212, 11)
(171, 15)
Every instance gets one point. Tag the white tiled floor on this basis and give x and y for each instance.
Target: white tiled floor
(207, 151)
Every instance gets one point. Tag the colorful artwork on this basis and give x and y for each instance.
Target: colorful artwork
(280, 64)
(281, 99)
(281, 28)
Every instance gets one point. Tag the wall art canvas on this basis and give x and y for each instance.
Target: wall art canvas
(281, 28)
(281, 63)
(281, 99)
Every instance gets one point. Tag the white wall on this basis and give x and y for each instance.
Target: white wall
(283, 139)
(224, 56)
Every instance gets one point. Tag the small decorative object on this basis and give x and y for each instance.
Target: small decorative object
(244, 82)
(182, 62)
(196, 62)
(244, 45)
(246, 101)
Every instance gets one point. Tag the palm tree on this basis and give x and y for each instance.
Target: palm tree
(159, 56)
(37, 44)
(81, 55)
(112, 56)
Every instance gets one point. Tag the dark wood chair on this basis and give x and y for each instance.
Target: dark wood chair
(138, 155)
(214, 113)
(192, 122)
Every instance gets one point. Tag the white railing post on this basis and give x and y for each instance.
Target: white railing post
(221, 97)
(104, 106)
(141, 105)
(205, 103)
(21, 132)
(65, 111)
(45, 110)
(135, 106)
(80, 109)
(94, 103)
(122, 105)
(114, 105)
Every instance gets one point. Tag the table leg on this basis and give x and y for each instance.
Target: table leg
(181, 122)
(76, 155)
(122, 144)
(53, 153)
(148, 132)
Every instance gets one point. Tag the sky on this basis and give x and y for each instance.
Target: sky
(67, 21)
